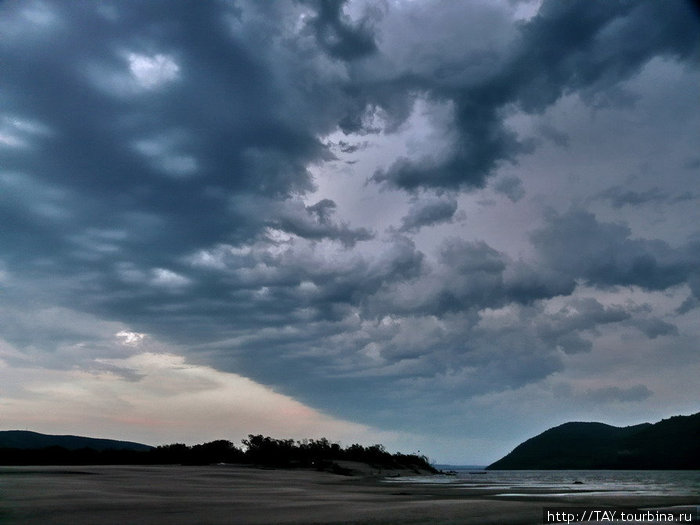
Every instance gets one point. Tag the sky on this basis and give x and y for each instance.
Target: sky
(440, 226)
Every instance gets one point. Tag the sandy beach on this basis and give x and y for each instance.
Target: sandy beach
(233, 494)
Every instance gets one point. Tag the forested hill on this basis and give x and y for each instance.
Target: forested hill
(671, 444)
(25, 440)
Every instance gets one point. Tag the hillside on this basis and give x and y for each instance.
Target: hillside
(672, 443)
(27, 440)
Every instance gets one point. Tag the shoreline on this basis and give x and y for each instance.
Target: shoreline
(246, 495)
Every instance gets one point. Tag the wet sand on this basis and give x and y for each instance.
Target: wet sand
(228, 494)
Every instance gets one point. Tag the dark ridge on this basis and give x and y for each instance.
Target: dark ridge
(672, 444)
(25, 440)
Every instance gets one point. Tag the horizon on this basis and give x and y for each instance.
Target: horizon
(434, 463)
(443, 227)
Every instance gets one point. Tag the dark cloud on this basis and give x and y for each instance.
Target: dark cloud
(511, 187)
(469, 276)
(606, 254)
(565, 48)
(654, 328)
(562, 329)
(346, 147)
(338, 36)
(484, 143)
(610, 394)
(115, 138)
(314, 222)
(528, 283)
(619, 196)
(693, 301)
(568, 46)
(428, 212)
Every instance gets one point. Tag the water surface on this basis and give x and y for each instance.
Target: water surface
(548, 483)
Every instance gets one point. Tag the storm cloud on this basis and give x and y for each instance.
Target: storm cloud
(294, 192)
(562, 49)
(427, 212)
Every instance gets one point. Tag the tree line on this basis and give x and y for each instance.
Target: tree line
(256, 450)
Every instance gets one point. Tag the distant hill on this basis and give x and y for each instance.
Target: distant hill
(671, 444)
(26, 440)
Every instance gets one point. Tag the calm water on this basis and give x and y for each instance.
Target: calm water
(547, 483)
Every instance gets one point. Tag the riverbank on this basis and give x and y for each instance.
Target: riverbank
(226, 494)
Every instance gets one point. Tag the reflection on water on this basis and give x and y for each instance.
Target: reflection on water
(516, 483)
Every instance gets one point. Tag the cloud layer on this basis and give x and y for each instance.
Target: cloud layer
(397, 214)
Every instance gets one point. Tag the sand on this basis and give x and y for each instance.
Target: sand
(228, 494)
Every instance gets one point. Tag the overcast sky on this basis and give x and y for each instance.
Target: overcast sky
(441, 226)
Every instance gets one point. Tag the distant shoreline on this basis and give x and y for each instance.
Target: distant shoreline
(19, 447)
